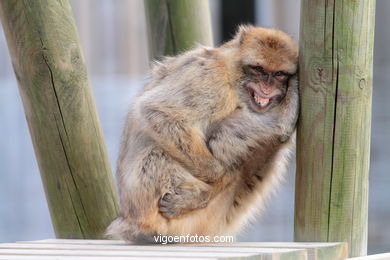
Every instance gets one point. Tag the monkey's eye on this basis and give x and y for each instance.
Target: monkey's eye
(259, 69)
(280, 75)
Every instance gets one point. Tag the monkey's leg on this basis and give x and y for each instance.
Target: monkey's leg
(186, 194)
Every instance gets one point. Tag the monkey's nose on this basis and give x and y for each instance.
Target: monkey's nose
(267, 90)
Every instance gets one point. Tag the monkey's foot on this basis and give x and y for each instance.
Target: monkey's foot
(174, 204)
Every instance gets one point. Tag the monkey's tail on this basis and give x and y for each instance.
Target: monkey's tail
(122, 229)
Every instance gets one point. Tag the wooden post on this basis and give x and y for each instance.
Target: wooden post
(333, 142)
(61, 114)
(177, 25)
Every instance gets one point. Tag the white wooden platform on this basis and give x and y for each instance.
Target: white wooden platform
(385, 256)
(68, 249)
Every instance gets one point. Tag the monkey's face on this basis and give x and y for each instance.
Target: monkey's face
(265, 88)
(268, 60)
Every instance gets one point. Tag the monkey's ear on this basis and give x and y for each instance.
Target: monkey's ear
(241, 32)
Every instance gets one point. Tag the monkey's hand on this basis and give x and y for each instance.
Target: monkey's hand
(185, 198)
(288, 111)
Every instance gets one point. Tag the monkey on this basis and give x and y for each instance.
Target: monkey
(208, 138)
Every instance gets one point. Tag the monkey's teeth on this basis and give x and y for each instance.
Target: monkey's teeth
(261, 101)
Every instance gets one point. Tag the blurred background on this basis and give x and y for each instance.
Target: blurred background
(113, 38)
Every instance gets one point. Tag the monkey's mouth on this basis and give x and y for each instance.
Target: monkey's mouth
(259, 102)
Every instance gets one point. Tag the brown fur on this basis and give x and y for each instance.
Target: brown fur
(195, 157)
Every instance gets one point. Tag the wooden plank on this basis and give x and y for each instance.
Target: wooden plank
(161, 248)
(384, 256)
(147, 251)
(245, 244)
(290, 254)
(61, 114)
(333, 137)
(34, 257)
(317, 251)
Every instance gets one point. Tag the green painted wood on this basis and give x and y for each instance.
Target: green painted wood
(61, 114)
(175, 26)
(333, 140)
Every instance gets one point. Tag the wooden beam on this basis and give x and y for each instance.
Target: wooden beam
(61, 114)
(333, 141)
(175, 26)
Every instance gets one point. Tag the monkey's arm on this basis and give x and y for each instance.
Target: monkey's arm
(171, 127)
(288, 111)
(234, 138)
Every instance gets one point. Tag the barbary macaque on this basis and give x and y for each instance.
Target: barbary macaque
(209, 138)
